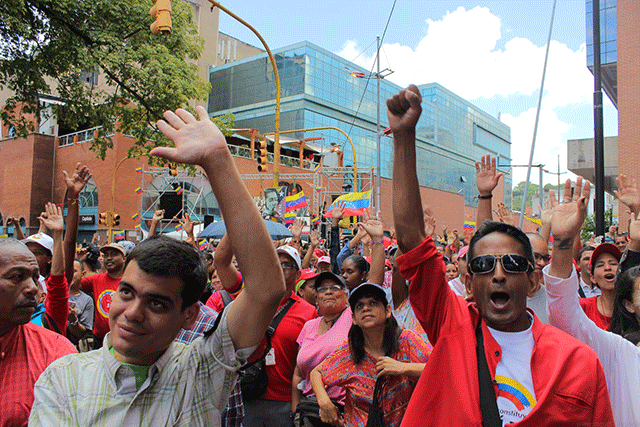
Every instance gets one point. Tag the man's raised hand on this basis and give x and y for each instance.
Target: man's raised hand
(628, 192)
(487, 178)
(196, 141)
(404, 109)
(52, 218)
(568, 216)
(76, 182)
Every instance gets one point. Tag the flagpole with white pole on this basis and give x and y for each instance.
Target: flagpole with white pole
(535, 126)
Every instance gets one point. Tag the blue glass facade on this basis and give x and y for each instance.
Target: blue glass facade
(317, 90)
(608, 32)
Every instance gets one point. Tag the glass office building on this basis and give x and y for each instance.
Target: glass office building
(319, 89)
(608, 45)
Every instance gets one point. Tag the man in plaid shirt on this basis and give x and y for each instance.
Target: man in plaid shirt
(234, 412)
(140, 376)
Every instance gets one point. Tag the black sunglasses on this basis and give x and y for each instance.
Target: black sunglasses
(511, 263)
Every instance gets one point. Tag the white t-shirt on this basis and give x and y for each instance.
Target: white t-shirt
(516, 396)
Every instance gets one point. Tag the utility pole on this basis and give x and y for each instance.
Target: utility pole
(378, 130)
(598, 139)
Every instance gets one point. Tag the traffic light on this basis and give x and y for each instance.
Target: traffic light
(103, 218)
(116, 219)
(161, 12)
(262, 157)
(173, 170)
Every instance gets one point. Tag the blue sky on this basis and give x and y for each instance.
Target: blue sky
(489, 52)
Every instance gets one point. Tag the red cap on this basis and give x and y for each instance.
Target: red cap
(609, 248)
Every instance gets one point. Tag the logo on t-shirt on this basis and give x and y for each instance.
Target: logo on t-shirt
(520, 400)
(104, 302)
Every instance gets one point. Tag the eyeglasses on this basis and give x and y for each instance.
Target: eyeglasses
(287, 265)
(334, 288)
(545, 258)
(511, 263)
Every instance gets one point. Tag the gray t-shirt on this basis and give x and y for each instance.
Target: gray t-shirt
(84, 303)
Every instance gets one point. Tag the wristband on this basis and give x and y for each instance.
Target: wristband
(485, 197)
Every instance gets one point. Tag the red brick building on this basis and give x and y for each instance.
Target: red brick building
(31, 174)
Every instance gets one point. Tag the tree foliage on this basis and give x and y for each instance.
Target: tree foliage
(46, 45)
(589, 226)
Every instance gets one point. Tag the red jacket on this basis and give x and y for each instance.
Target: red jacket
(568, 380)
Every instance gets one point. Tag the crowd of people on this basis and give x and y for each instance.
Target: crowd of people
(378, 326)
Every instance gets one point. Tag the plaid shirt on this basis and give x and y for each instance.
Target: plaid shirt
(234, 412)
(187, 386)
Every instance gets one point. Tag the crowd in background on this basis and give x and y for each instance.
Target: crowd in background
(374, 325)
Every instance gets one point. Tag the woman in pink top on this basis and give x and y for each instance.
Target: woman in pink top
(320, 337)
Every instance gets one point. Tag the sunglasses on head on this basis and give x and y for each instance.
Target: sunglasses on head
(511, 263)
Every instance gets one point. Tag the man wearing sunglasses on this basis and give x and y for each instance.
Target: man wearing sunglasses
(536, 374)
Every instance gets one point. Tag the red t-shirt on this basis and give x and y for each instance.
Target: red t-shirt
(102, 286)
(25, 352)
(590, 308)
(285, 348)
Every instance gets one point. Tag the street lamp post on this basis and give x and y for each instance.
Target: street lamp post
(276, 127)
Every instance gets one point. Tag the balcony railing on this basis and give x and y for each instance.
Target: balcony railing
(245, 152)
(82, 136)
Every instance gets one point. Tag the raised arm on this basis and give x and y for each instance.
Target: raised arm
(187, 226)
(75, 183)
(56, 304)
(17, 230)
(200, 142)
(375, 230)
(334, 249)
(313, 244)
(566, 222)
(403, 112)
(487, 180)
(155, 220)
(223, 261)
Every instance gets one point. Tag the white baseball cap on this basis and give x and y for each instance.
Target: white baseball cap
(42, 239)
(292, 252)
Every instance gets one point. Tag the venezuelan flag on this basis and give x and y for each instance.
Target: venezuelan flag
(289, 218)
(179, 227)
(315, 220)
(119, 235)
(319, 189)
(317, 168)
(179, 190)
(354, 203)
(136, 216)
(295, 202)
(138, 227)
(203, 244)
(470, 225)
(139, 170)
(138, 190)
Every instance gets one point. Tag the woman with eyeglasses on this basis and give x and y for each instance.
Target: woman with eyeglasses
(377, 349)
(318, 339)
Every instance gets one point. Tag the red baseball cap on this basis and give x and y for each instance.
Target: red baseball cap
(609, 248)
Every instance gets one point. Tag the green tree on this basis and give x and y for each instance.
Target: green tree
(518, 192)
(589, 226)
(47, 45)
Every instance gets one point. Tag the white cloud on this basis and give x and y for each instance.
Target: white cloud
(550, 142)
(459, 52)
